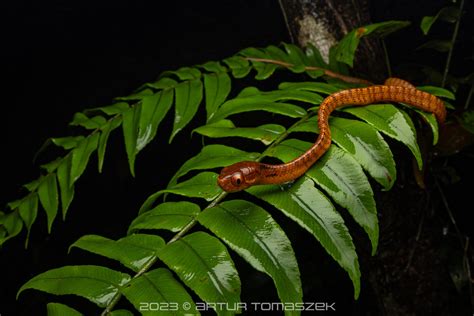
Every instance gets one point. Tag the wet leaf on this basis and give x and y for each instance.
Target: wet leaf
(188, 98)
(153, 110)
(104, 137)
(258, 103)
(212, 156)
(48, 196)
(345, 49)
(239, 66)
(265, 133)
(116, 108)
(133, 251)
(130, 126)
(313, 211)
(253, 234)
(66, 187)
(95, 283)
(57, 309)
(343, 179)
(204, 185)
(173, 216)
(81, 155)
(68, 142)
(217, 88)
(12, 225)
(81, 119)
(162, 289)
(392, 122)
(448, 14)
(363, 142)
(205, 266)
(28, 211)
(296, 57)
(310, 86)
(437, 91)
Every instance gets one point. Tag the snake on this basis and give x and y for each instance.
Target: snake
(242, 175)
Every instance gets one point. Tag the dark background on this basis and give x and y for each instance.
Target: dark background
(62, 57)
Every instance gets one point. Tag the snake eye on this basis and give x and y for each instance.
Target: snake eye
(237, 179)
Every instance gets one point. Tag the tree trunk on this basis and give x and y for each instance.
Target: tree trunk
(324, 22)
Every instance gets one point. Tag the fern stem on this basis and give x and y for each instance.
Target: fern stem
(147, 266)
(188, 226)
(327, 72)
(451, 48)
(283, 136)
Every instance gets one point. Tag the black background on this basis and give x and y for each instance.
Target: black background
(62, 57)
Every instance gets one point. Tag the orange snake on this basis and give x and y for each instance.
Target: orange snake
(242, 175)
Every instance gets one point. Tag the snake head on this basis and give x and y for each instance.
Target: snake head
(239, 176)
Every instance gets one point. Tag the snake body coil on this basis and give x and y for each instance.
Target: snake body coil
(242, 175)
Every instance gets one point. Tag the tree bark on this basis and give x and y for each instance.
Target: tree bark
(324, 22)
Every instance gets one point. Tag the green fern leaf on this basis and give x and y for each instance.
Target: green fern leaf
(430, 119)
(312, 210)
(80, 119)
(343, 179)
(266, 133)
(28, 211)
(158, 288)
(132, 251)
(392, 122)
(254, 104)
(106, 129)
(153, 110)
(437, 91)
(163, 83)
(310, 86)
(48, 196)
(212, 156)
(95, 283)
(66, 187)
(203, 185)
(345, 50)
(57, 309)
(314, 57)
(276, 53)
(11, 226)
(363, 142)
(50, 167)
(239, 66)
(296, 57)
(253, 234)
(130, 126)
(81, 155)
(136, 96)
(204, 265)
(68, 142)
(188, 97)
(264, 70)
(448, 14)
(184, 73)
(217, 88)
(116, 108)
(173, 216)
(213, 66)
